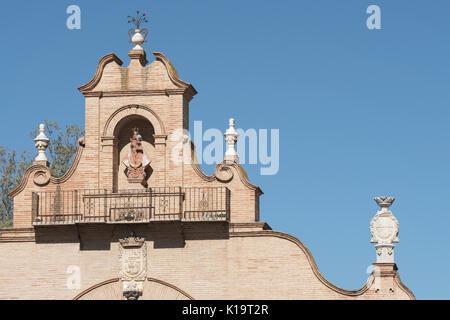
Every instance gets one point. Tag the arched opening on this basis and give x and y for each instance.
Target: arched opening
(153, 289)
(123, 133)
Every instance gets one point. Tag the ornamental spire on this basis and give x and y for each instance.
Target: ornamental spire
(41, 142)
(231, 137)
(384, 229)
(137, 35)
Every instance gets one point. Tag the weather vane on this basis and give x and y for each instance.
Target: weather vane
(136, 36)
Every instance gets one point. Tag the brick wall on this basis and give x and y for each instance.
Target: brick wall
(211, 264)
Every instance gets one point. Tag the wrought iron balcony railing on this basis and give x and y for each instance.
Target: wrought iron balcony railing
(131, 206)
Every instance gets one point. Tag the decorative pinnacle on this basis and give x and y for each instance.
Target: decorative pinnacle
(138, 36)
(384, 228)
(231, 137)
(41, 142)
(138, 19)
(384, 202)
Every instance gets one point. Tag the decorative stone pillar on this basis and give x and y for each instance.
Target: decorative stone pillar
(384, 228)
(231, 137)
(133, 266)
(41, 142)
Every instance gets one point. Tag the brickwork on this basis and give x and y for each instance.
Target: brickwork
(210, 265)
(239, 259)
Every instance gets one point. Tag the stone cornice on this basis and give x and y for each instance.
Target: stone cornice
(17, 235)
(246, 225)
(131, 93)
(96, 94)
(111, 57)
(17, 239)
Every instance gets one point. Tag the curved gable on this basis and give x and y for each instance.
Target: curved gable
(102, 64)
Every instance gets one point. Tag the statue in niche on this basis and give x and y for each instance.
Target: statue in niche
(136, 160)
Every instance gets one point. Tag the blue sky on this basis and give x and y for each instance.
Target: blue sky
(361, 113)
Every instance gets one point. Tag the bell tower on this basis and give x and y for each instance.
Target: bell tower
(147, 96)
(135, 164)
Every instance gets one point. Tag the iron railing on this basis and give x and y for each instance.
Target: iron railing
(204, 204)
(131, 206)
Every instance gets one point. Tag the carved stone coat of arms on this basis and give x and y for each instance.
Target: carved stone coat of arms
(133, 266)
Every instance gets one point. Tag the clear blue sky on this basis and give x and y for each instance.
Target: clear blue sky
(361, 113)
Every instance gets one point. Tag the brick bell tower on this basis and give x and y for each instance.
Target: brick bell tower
(146, 97)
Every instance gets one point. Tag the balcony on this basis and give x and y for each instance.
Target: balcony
(130, 206)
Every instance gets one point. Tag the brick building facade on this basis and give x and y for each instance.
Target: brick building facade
(99, 232)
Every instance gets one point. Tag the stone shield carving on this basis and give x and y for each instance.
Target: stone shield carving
(133, 266)
(384, 228)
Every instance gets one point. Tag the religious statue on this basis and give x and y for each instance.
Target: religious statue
(136, 160)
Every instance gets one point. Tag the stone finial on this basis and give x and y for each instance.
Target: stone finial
(384, 202)
(41, 142)
(231, 137)
(138, 36)
(384, 228)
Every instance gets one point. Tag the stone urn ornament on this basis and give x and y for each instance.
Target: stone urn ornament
(137, 35)
(231, 137)
(41, 142)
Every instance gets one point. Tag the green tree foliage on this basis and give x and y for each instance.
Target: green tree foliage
(62, 148)
(12, 168)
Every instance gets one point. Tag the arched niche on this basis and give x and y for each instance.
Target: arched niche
(133, 109)
(122, 133)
